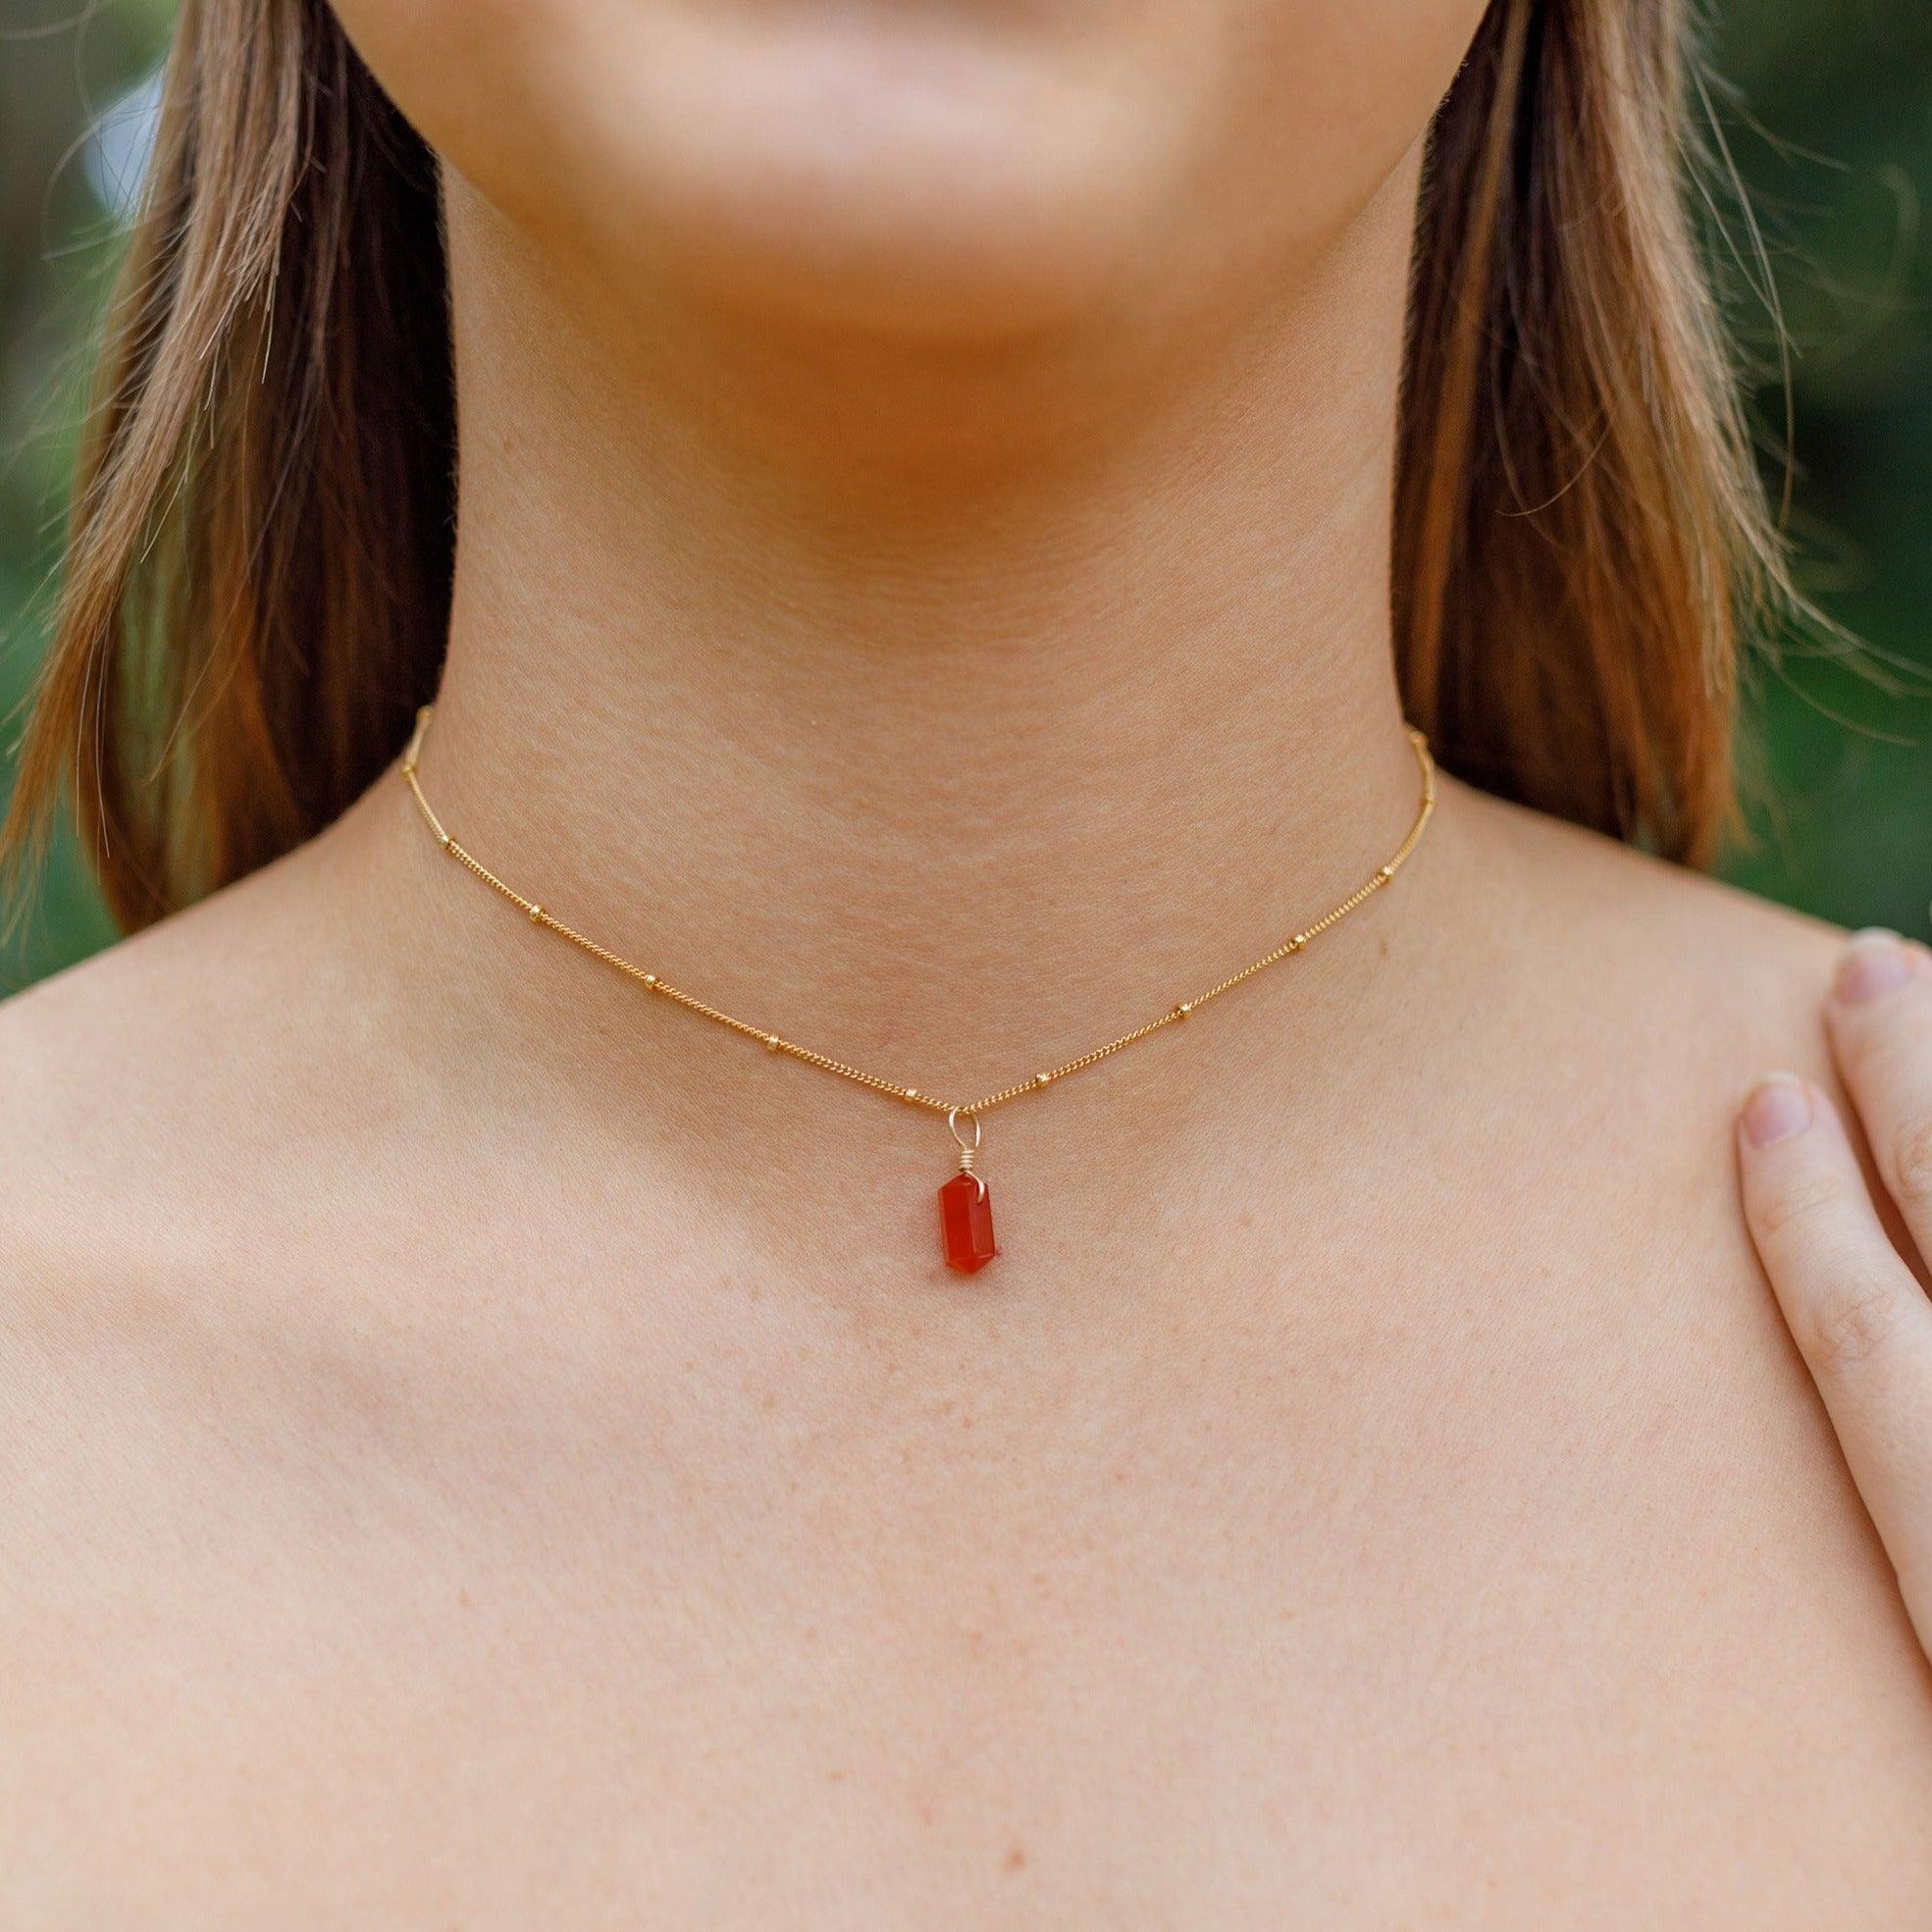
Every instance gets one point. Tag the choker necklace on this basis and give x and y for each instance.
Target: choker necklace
(965, 1209)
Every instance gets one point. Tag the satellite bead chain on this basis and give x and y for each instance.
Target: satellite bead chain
(965, 1207)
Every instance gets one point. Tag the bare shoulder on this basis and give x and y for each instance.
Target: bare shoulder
(176, 1111)
(1686, 973)
(1715, 1548)
(144, 1074)
(1627, 1005)
(100, 1067)
(1583, 870)
(111, 1074)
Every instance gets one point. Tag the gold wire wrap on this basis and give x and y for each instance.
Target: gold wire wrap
(969, 1149)
(897, 1089)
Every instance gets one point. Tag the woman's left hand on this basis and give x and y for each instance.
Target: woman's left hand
(1860, 1319)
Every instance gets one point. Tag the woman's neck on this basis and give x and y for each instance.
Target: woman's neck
(951, 705)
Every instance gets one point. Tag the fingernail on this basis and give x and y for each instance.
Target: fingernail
(1778, 1107)
(1874, 962)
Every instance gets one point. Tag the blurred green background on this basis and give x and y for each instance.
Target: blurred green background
(1825, 111)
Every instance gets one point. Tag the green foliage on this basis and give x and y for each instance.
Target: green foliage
(1825, 113)
(1831, 130)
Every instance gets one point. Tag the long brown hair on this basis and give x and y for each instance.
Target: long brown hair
(258, 570)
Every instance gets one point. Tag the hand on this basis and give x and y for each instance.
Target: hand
(1859, 1317)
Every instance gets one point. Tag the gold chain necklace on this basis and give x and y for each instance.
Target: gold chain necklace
(965, 1210)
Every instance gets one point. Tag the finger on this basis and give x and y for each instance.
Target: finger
(1856, 1313)
(1880, 1020)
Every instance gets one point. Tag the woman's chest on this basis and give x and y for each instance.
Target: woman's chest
(1175, 1686)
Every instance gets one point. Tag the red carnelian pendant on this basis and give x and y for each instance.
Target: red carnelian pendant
(965, 1209)
(966, 1220)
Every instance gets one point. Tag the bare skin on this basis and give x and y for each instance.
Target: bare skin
(479, 1448)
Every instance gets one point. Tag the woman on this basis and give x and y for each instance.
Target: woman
(491, 1447)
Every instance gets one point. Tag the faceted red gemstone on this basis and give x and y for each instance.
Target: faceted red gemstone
(966, 1220)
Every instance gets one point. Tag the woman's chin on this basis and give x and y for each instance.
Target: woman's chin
(982, 274)
(911, 184)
